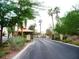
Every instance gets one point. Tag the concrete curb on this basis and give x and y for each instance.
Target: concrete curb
(67, 44)
(22, 51)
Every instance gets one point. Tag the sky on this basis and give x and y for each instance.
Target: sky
(64, 5)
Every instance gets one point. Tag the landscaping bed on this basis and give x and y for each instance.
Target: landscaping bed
(12, 47)
(75, 42)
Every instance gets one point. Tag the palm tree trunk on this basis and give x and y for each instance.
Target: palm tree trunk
(25, 23)
(52, 23)
(53, 37)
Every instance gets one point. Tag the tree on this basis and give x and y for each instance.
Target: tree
(32, 27)
(6, 7)
(49, 33)
(57, 11)
(51, 12)
(25, 11)
(69, 24)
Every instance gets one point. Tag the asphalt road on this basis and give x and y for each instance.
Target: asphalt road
(44, 48)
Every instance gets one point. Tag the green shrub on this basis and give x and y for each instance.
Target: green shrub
(2, 53)
(67, 41)
(75, 42)
(16, 42)
(71, 41)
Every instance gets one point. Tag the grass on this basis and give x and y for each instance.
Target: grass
(2, 53)
(3, 49)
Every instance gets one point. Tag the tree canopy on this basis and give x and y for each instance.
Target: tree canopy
(15, 12)
(69, 24)
(5, 9)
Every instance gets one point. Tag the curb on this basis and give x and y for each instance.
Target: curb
(22, 51)
(67, 44)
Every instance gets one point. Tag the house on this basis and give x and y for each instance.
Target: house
(25, 32)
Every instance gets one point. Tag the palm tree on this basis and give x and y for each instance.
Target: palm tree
(57, 11)
(50, 13)
(25, 23)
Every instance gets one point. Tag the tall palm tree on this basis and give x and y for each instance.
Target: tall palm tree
(25, 23)
(50, 13)
(57, 11)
